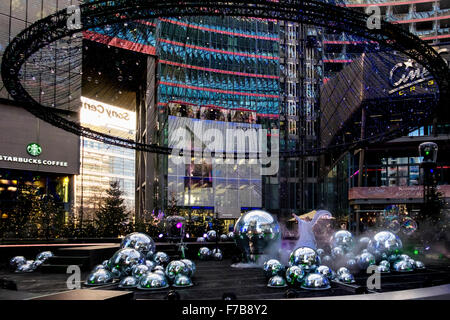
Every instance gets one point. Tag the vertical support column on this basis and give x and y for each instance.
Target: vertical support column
(361, 151)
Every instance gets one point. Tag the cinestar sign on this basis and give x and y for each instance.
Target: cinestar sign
(408, 74)
(52, 163)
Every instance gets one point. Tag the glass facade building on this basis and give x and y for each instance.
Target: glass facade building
(101, 163)
(242, 69)
(428, 19)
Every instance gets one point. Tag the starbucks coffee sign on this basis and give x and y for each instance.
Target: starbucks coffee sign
(45, 162)
(34, 149)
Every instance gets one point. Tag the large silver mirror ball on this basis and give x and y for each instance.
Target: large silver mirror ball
(272, 268)
(140, 242)
(17, 261)
(385, 242)
(161, 258)
(45, 255)
(152, 281)
(128, 282)
(124, 259)
(305, 257)
(295, 275)
(343, 239)
(190, 265)
(255, 231)
(99, 277)
(315, 281)
(211, 235)
(204, 253)
(175, 268)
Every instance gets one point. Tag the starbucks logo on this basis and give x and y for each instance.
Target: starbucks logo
(34, 149)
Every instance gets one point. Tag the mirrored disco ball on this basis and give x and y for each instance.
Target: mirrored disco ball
(404, 257)
(383, 269)
(139, 270)
(128, 282)
(158, 268)
(36, 264)
(211, 235)
(351, 265)
(343, 239)
(117, 274)
(216, 250)
(385, 242)
(295, 275)
(349, 255)
(420, 265)
(161, 273)
(384, 263)
(139, 241)
(363, 242)
(255, 231)
(223, 237)
(152, 281)
(99, 277)
(320, 252)
(315, 281)
(190, 265)
(393, 258)
(43, 256)
(124, 259)
(325, 271)
(150, 255)
(277, 282)
(181, 281)
(341, 271)
(365, 260)
(413, 263)
(175, 268)
(218, 256)
(25, 267)
(409, 226)
(17, 260)
(204, 253)
(98, 267)
(382, 256)
(403, 266)
(346, 278)
(150, 264)
(272, 267)
(304, 257)
(337, 253)
(230, 235)
(327, 260)
(161, 258)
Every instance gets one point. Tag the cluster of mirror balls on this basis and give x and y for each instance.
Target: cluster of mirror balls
(211, 236)
(314, 269)
(137, 265)
(21, 265)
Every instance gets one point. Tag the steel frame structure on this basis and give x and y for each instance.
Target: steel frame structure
(312, 12)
